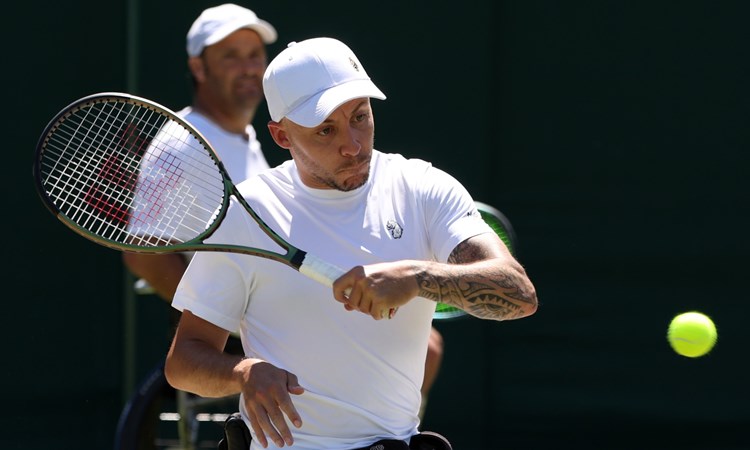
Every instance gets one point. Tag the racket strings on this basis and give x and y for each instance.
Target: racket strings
(70, 160)
(179, 192)
(131, 174)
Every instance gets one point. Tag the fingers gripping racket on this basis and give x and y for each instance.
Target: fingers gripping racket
(129, 174)
(502, 226)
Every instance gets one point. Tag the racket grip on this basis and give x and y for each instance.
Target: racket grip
(319, 270)
(326, 273)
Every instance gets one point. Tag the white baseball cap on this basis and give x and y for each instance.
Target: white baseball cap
(214, 24)
(308, 80)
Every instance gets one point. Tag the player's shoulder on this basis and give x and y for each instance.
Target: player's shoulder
(282, 174)
(399, 162)
(415, 176)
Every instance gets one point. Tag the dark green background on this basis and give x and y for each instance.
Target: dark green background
(612, 133)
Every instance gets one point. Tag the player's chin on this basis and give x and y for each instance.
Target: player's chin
(354, 182)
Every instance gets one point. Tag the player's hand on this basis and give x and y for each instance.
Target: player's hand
(266, 391)
(377, 289)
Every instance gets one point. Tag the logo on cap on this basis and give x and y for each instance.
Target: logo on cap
(354, 64)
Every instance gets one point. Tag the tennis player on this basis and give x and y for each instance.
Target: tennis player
(332, 368)
(226, 50)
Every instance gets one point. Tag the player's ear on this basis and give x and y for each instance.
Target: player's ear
(279, 134)
(197, 68)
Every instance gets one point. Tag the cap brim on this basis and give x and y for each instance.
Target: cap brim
(317, 108)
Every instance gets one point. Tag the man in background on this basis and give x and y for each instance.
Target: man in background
(226, 47)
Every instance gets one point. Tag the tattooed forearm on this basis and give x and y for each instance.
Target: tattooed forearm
(482, 285)
(481, 296)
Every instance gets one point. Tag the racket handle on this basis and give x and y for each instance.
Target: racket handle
(326, 273)
(319, 270)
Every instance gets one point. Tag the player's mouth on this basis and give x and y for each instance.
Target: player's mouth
(355, 170)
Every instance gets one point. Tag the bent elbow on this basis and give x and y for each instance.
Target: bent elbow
(527, 295)
(171, 373)
(531, 308)
(528, 304)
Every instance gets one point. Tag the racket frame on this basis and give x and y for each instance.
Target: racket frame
(293, 257)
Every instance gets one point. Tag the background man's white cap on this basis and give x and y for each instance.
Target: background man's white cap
(214, 24)
(310, 79)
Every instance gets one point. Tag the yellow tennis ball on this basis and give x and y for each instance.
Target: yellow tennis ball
(692, 334)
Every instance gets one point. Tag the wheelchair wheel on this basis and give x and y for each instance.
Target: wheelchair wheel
(158, 417)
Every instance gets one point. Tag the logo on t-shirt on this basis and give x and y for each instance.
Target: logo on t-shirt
(395, 229)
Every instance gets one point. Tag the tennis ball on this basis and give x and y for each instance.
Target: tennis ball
(692, 334)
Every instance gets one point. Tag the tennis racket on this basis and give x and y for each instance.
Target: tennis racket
(129, 174)
(504, 229)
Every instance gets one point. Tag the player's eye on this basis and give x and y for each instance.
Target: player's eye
(325, 131)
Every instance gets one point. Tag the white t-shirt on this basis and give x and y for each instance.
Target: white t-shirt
(362, 377)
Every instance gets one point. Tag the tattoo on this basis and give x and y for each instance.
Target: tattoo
(498, 295)
(465, 253)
